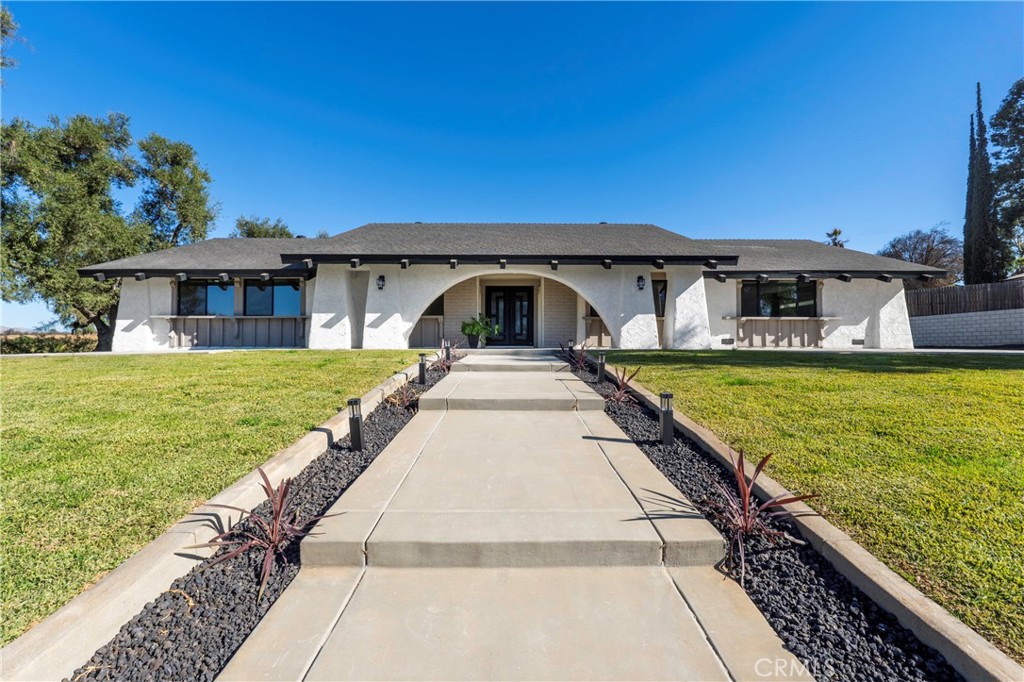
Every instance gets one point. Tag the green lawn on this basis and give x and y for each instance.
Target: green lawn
(101, 454)
(919, 457)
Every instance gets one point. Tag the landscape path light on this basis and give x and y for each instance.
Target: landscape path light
(355, 423)
(423, 369)
(665, 419)
(600, 367)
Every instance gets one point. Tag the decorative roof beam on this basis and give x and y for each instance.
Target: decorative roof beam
(926, 278)
(721, 276)
(354, 263)
(453, 263)
(503, 264)
(845, 277)
(264, 276)
(99, 277)
(554, 265)
(711, 264)
(884, 278)
(139, 276)
(659, 263)
(404, 263)
(181, 277)
(606, 264)
(308, 262)
(763, 278)
(803, 278)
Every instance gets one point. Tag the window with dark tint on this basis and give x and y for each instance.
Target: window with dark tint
(659, 287)
(779, 299)
(206, 298)
(279, 299)
(437, 307)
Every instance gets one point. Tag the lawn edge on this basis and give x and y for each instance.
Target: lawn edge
(965, 649)
(56, 646)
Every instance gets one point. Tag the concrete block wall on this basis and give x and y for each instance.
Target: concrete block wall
(975, 330)
(559, 314)
(460, 303)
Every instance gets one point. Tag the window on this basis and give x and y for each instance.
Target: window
(779, 299)
(197, 297)
(659, 287)
(282, 298)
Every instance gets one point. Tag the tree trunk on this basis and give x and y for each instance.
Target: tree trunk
(105, 331)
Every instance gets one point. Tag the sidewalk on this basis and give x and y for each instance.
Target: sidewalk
(511, 531)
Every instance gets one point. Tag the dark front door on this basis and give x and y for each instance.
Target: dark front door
(511, 308)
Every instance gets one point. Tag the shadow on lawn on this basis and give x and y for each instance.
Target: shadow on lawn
(853, 361)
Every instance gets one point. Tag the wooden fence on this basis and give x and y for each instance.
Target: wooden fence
(971, 298)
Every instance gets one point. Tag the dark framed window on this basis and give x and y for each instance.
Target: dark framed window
(779, 299)
(198, 297)
(437, 307)
(659, 287)
(281, 298)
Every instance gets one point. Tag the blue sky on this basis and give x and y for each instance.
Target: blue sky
(778, 120)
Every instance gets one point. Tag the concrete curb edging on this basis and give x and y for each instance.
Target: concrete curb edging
(968, 652)
(67, 638)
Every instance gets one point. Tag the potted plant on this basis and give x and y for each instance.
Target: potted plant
(477, 329)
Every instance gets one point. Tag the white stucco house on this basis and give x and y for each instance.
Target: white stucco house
(400, 285)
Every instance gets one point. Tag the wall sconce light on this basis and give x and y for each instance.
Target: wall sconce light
(640, 282)
(355, 423)
(665, 419)
(380, 282)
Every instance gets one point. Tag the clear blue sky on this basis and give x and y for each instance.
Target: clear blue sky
(713, 120)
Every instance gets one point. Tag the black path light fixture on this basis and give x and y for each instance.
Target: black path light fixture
(355, 423)
(640, 282)
(600, 366)
(448, 351)
(665, 419)
(423, 369)
(380, 282)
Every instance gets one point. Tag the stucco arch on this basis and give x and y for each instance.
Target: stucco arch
(427, 295)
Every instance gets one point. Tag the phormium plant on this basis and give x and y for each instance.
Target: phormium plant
(446, 357)
(406, 397)
(744, 515)
(621, 394)
(576, 357)
(270, 535)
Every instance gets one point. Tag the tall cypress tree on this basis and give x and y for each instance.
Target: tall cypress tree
(988, 259)
(970, 267)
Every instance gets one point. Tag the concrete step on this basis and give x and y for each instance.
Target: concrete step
(516, 390)
(503, 362)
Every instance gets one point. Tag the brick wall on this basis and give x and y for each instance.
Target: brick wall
(559, 313)
(988, 328)
(459, 305)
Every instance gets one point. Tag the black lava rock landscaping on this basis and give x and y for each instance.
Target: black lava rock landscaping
(822, 618)
(191, 631)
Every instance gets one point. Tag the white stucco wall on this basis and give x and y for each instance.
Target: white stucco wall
(686, 308)
(135, 329)
(722, 302)
(330, 323)
(868, 309)
(392, 312)
(976, 330)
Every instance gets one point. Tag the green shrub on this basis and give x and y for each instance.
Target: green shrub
(47, 343)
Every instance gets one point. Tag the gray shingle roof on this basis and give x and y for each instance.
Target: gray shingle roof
(517, 241)
(803, 255)
(512, 240)
(207, 257)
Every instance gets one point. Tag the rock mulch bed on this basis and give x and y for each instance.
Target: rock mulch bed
(191, 631)
(827, 622)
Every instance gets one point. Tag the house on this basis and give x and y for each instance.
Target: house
(400, 285)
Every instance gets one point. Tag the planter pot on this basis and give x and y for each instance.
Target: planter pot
(474, 341)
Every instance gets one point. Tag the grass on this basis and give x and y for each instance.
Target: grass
(101, 454)
(920, 458)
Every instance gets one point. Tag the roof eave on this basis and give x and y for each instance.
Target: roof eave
(494, 259)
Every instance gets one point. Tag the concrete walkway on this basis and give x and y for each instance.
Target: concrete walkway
(511, 531)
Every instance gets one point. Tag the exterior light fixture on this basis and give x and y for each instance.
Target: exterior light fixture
(665, 419)
(380, 282)
(448, 351)
(502, 264)
(453, 263)
(355, 423)
(554, 265)
(640, 282)
(423, 369)
(600, 366)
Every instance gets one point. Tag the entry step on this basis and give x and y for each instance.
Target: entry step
(525, 390)
(501, 362)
